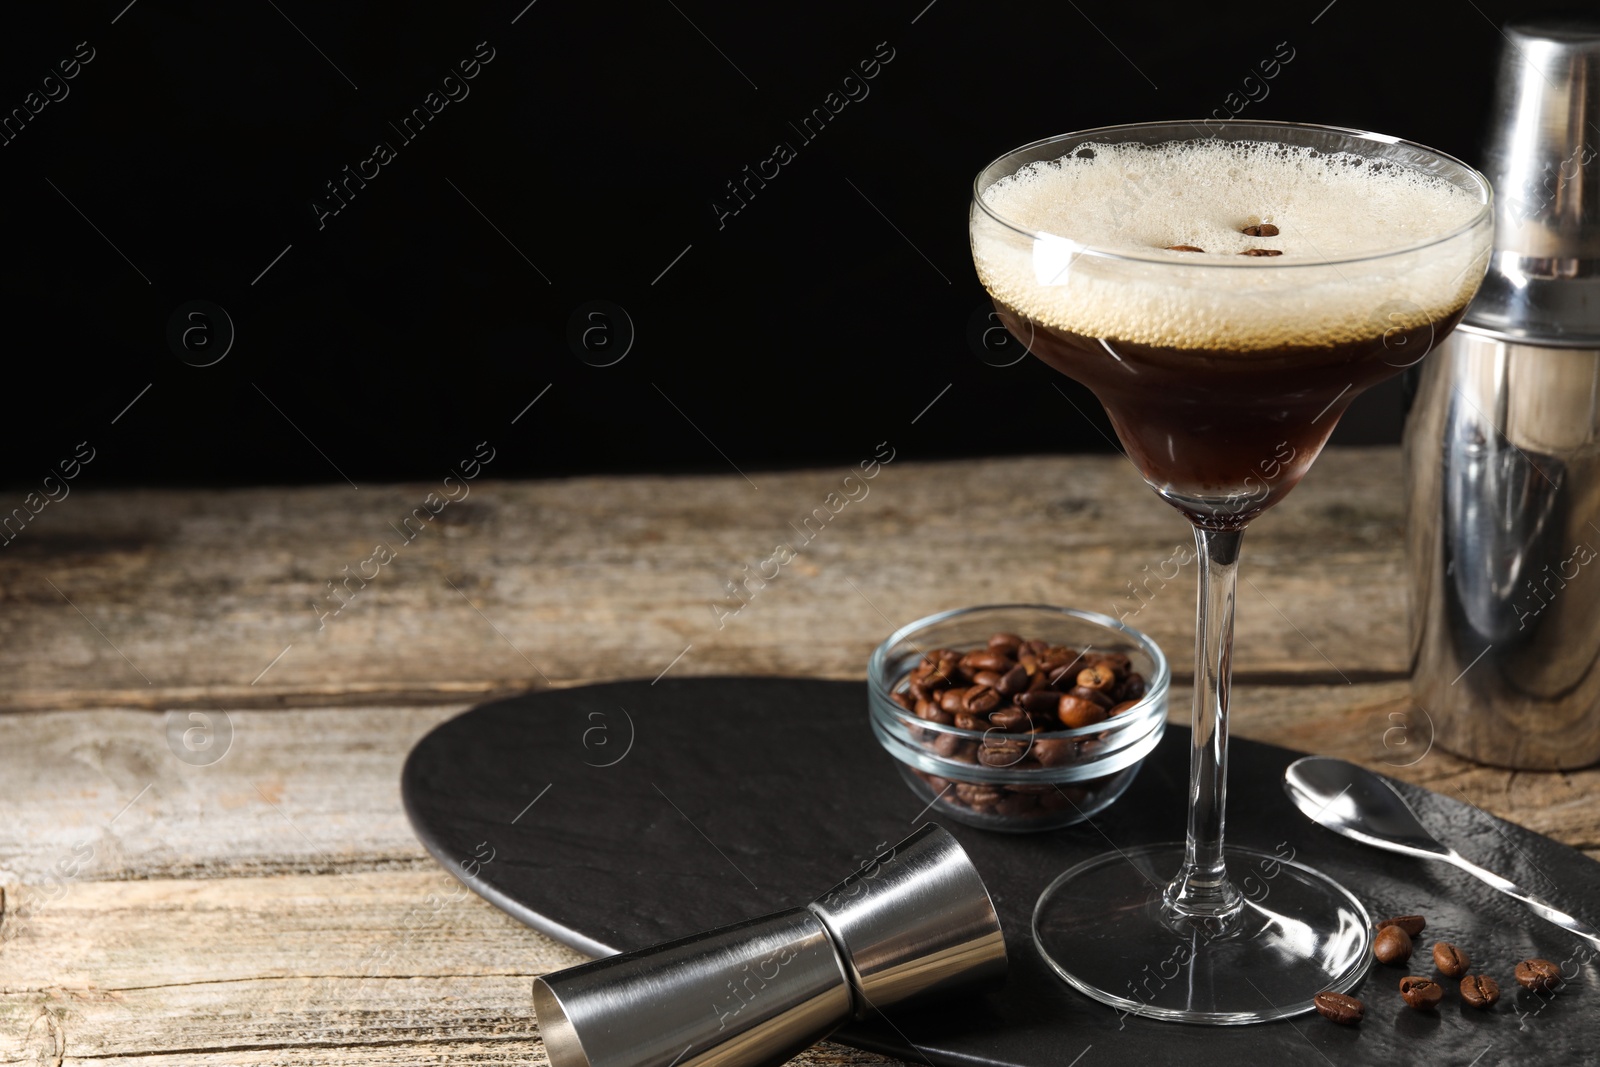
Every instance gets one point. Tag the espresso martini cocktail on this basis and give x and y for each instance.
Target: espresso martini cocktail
(1225, 291)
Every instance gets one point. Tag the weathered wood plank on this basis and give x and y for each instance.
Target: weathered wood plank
(165, 599)
(99, 795)
(374, 968)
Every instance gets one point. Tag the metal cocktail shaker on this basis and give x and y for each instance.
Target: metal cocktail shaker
(1503, 441)
(914, 921)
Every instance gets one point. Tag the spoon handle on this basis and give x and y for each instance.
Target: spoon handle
(1543, 908)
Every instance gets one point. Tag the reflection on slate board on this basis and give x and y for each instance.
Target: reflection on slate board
(626, 814)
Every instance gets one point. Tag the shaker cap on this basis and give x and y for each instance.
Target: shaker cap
(1543, 158)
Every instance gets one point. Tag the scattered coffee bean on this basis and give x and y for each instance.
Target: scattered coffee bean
(1266, 229)
(1421, 993)
(1480, 991)
(1261, 252)
(1339, 1007)
(1184, 248)
(1450, 960)
(1392, 945)
(1411, 924)
(1537, 974)
(1118, 709)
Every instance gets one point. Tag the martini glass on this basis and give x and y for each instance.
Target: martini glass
(1223, 371)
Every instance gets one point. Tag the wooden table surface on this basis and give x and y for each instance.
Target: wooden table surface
(164, 906)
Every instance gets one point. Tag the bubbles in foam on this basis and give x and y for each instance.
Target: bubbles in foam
(1137, 200)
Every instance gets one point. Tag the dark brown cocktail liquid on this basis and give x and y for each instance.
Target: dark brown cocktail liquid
(1224, 435)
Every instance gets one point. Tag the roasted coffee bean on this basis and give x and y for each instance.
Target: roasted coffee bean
(1538, 974)
(976, 793)
(1132, 687)
(1117, 661)
(1094, 696)
(1261, 252)
(1266, 229)
(1451, 961)
(1014, 720)
(995, 752)
(1013, 681)
(963, 751)
(943, 672)
(954, 700)
(1339, 1007)
(1064, 796)
(1028, 662)
(1480, 991)
(1074, 713)
(1118, 709)
(1421, 993)
(1034, 647)
(989, 679)
(1100, 677)
(1005, 644)
(1064, 678)
(904, 699)
(947, 744)
(1037, 681)
(1014, 805)
(1030, 787)
(981, 700)
(927, 709)
(1411, 924)
(985, 660)
(1184, 248)
(919, 689)
(1053, 752)
(1041, 702)
(1392, 945)
(965, 720)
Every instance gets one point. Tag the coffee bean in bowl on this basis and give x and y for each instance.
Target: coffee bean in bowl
(1017, 717)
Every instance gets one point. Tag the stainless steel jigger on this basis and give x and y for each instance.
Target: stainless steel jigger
(914, 921)
(1503, 441)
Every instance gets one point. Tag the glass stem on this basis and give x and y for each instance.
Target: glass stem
(1202, 890)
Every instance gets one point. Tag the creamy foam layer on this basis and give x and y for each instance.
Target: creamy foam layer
(1137, 199)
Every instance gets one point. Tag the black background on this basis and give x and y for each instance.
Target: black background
(426, 315)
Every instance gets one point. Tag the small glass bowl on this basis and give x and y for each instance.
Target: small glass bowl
(1057, 777)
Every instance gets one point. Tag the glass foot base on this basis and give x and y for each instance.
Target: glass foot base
(1100, 926)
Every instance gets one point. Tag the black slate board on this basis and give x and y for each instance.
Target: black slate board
(616, 816)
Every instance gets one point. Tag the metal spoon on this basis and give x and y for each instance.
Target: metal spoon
(1353, 801)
